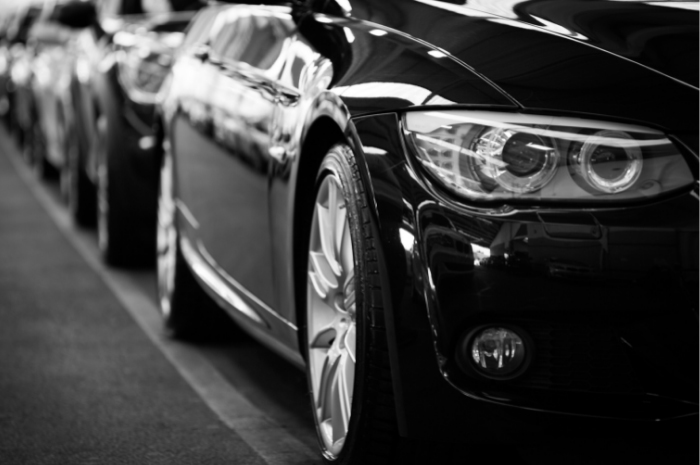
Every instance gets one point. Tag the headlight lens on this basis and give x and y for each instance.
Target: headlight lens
(609, 161)
(491, 156)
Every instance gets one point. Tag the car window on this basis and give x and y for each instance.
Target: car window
(266, 43)
(255, 39)
(237, 37)
(156, 6)
(200, 29)
(222, 38)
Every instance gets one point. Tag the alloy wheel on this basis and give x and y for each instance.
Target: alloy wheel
(69, 179)
(65, 143)
(102, 184)
(331, 320)
(166, 240)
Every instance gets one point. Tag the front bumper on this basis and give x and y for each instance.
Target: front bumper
(608, 297)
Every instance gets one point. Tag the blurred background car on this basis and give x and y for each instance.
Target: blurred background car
(5, 60)
(121, 63)
(22, 112)
(51, 44)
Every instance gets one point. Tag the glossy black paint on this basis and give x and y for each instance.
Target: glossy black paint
(608, 296)
(542, 70)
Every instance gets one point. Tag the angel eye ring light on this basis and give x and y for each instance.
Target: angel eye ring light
(484, 155)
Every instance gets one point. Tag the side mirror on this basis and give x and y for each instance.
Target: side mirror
(77, 14)
(202, 52)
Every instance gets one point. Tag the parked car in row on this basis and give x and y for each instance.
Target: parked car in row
(40, 61)
(81, 78)
(51, 41)
(467, 223)
(121, 61)
(22, 111)
(5, 63)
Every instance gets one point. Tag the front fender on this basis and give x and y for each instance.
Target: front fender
(427, 407)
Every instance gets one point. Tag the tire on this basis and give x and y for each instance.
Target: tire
(35, 152)
(124, 234)
(78, 190)
(345, 338)
(188, 312)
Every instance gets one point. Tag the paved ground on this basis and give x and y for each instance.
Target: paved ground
(79, 381)
(86, 377)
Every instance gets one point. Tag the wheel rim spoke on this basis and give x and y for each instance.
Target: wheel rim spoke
(345, 247)
(323, 272)
(349, 293)
(350, 344)
(328, 227)
(340, 225)
(324, 338)
(335, 400)
(325, 402)
(337, 404)
(346, 378)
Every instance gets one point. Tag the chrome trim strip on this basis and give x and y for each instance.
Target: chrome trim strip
(187, 214)
(206, 273)
(238, 286)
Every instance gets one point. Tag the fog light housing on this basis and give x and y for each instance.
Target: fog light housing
(497, 352)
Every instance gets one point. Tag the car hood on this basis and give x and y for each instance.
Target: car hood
(660, 35)
(624, 60)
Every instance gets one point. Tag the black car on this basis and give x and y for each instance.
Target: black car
(468, 224)
(122, 59)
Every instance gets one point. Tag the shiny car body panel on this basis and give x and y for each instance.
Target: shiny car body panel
(551, 71)
(608, 295)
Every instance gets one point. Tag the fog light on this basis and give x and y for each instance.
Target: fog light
(498, 352)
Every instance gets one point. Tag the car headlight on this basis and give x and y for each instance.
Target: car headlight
(484, 155)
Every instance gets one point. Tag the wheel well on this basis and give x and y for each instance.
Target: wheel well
(323, 134)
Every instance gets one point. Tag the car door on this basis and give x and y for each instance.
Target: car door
(223, 177)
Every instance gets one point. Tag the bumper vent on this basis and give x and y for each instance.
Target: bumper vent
(580, 357)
